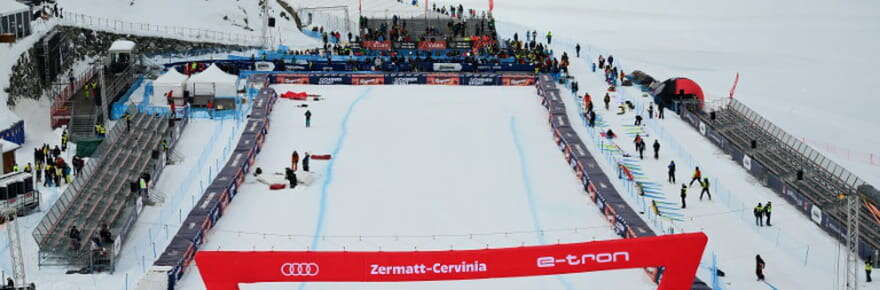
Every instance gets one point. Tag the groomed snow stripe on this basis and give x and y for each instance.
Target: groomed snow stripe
(530, 194)
(328, 172)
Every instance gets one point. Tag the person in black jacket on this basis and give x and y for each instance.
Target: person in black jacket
(592, 119)
(671, 168)
(656, 149)
(75, 238)
(684, 190)
(642, 149)
(308, 118)
(106, 236)
(56, 152)
(134, 187)
(291, 177)
(306, 162)
(759, 267)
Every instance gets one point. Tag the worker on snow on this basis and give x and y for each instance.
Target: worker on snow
(705, 185)
(759, 267)
(697, 176)
(684, 190)
(308, 118)
(671, 168)
(291, 177)
(656, 149)
(759, 214)
(306, 160)
(767, 209)
(607, 101)
(294, 160)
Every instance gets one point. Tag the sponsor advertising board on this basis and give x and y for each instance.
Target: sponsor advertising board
(432, 45)
(367, 79)
(517, 80)
(680, 254)
(296, 79)
(443, 79)
(376, 45)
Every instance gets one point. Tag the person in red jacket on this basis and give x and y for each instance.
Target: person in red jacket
(697, 176)
(294, 160)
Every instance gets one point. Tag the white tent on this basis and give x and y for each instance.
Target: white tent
(213, 82)
(169, 81)
(125, 46)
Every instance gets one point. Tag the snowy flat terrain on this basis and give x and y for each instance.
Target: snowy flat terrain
(417, 167)
(808, 66)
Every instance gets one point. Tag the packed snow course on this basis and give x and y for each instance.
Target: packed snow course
(416, 168)
(804, 256)
(819, 90)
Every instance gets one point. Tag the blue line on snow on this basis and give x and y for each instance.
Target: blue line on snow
(328, 172)
(525, 177)
(529, 193)
(770, 285)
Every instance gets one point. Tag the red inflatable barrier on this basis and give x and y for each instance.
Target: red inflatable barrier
(679, 254)
(300, 96)
(321, 157)
(276, 186)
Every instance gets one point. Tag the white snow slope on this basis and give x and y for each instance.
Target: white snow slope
(808, 66)
(240, 17)
(417, 167)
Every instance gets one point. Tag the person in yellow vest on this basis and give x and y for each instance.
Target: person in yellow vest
(28, 168)
(868, 268)
(49, 172)
(59, 175)
(759, 215)
(64, 139)
(99, 129)
(15, 167)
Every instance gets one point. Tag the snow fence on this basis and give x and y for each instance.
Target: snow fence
(781, 185)
(171, 265)
(624, 219)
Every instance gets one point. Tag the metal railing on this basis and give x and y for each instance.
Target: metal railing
(61, 96)
(80, 181)
(164, 31)
(784, 139)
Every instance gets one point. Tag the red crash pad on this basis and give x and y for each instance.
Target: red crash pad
(321, 157)
(300, 96)
(276, 186)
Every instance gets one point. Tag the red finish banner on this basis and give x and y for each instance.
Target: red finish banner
(376, 45)
(432, 45)
(443, 79)
(679, 254)
(517, 80)
(366, 80)
(298, 79)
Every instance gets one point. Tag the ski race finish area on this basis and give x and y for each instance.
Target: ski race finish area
(678, 254)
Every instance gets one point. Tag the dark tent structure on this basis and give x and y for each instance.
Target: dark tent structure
(676, 90)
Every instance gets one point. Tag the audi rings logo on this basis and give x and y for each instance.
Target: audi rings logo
(300, 269)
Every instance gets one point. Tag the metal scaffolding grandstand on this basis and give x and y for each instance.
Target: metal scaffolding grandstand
(101, 194)
(797, 165)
